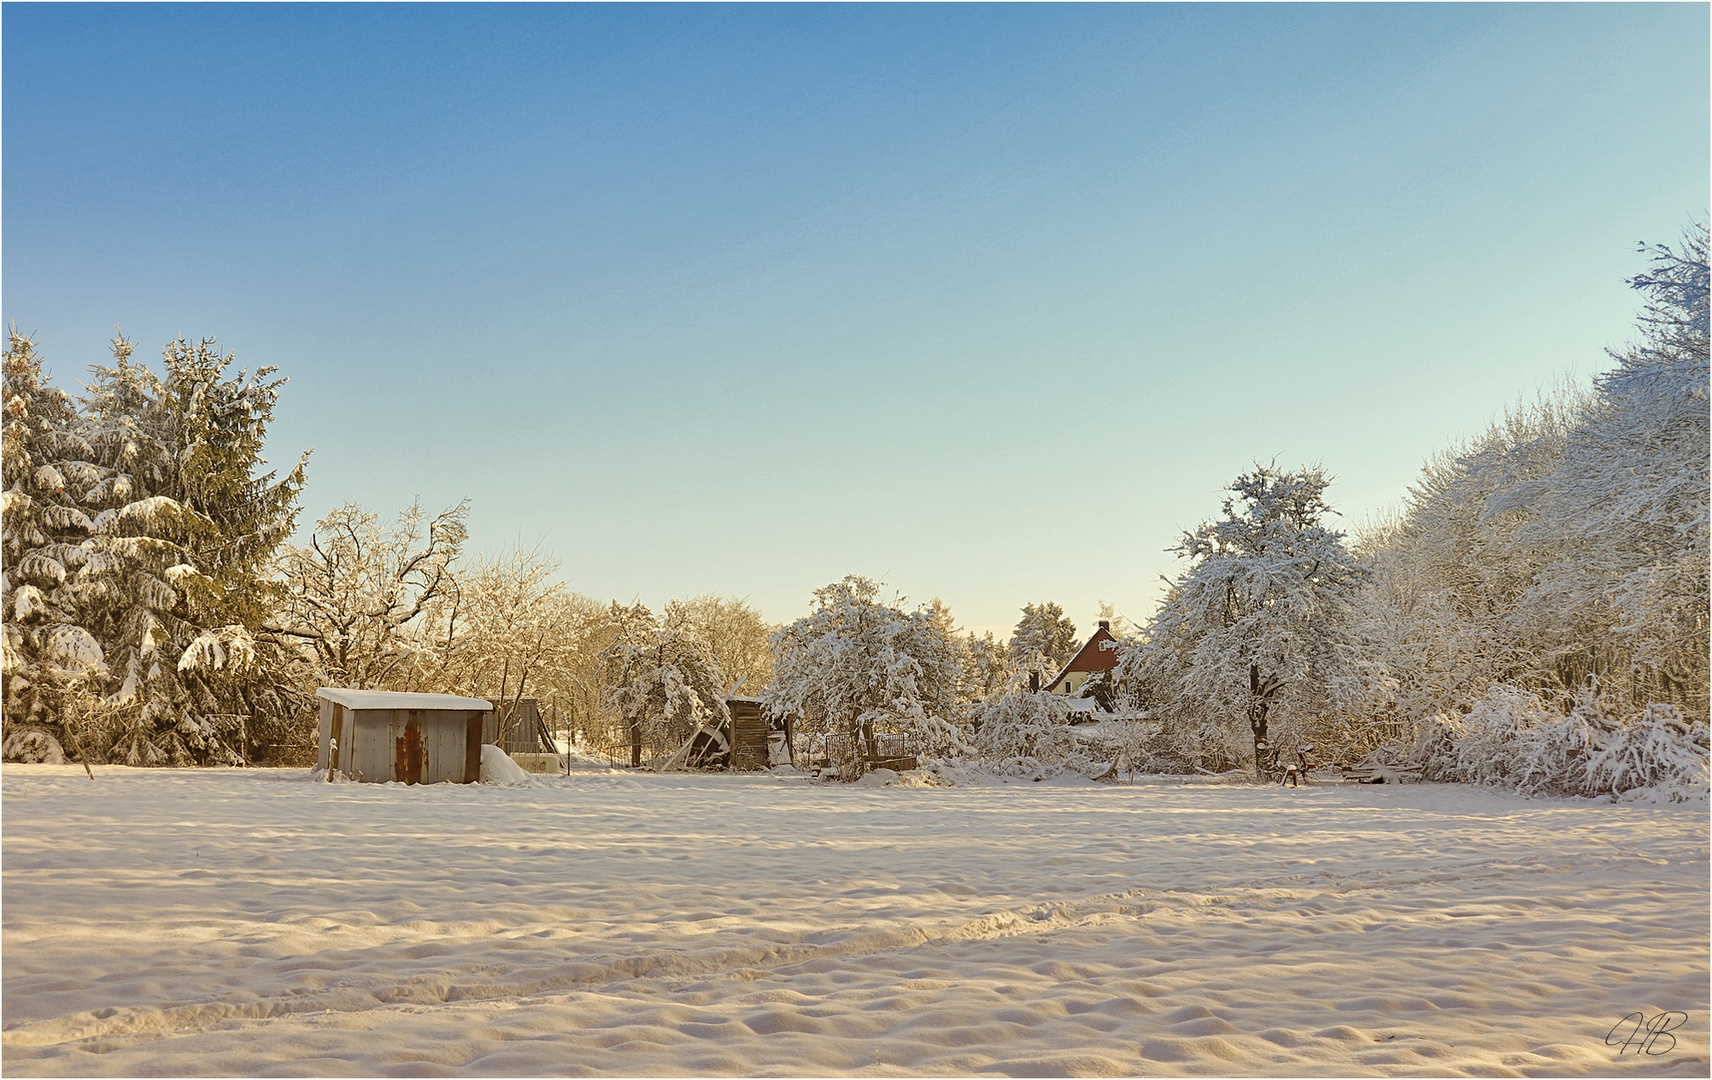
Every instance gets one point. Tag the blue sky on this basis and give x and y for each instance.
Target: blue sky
(989, 302)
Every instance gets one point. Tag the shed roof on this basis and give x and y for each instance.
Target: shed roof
(386, 699)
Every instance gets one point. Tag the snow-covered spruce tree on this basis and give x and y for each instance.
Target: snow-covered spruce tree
(175, 585)
(855, 668)
(1252, 635)
(987, 668)
(50, 659)
(1044, 641)
(985, 672)
(358, 594)
(665, 680)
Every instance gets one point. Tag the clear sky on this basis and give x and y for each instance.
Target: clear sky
(988, 302)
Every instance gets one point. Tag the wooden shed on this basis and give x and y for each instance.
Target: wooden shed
(380, 736)
(524, 734)
(749, 730)
(758, 740)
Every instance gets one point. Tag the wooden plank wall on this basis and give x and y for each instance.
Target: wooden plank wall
(524, 736)
(748, 735)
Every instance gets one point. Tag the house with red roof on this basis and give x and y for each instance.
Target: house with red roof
(1099, 654)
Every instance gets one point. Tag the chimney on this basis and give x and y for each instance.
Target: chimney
(1034, 682)
(1106, 625)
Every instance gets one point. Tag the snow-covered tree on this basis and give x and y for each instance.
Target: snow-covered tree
(499, 632)
(48, 655)
(1568, 541)
(987, 668)
(358, 594)
(1624, 515)
(1439, 618)
(160, 584)
(983, 662)
(665, 681)
(856, 668)
(1538, 612)
(735, 631)
(1023, 725)
(1044, 640)
(1252, 633)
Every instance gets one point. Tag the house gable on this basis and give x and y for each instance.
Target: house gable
(1099, 654)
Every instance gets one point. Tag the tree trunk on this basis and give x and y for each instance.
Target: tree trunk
(1258, 705)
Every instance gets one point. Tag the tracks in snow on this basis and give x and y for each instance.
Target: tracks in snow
(493, 982)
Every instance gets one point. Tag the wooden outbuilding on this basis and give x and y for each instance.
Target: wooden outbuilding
(380, 736)
(514, 725)
(751, 734)
(751, 740)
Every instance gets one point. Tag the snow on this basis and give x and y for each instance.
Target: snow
(498, 768)
(386, 699)
(242, 922)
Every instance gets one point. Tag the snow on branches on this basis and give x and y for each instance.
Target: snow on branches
(1252, 633)
(356, 593)
(666, 681)
(137, 524)
(1022, 732)
(857, 668)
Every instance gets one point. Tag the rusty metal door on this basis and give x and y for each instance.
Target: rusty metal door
(407, 747)
(472, 747)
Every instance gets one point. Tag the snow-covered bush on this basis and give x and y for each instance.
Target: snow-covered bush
(1514, 739)
(1021, 724)
(31, 744)
(1183, 749)
(1658, 757)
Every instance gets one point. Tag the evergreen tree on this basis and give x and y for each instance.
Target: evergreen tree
(50, 659)
(1044, 640)
(987, 668)
(177, 587)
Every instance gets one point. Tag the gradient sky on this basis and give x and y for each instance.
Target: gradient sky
(988, 302)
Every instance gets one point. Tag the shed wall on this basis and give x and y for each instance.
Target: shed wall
(412, 746)
(748, 735)
(523, 736)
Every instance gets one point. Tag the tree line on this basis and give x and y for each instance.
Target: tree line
(1535, 614)
(156, 610)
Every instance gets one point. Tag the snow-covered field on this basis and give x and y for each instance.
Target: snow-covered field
(175, 922)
